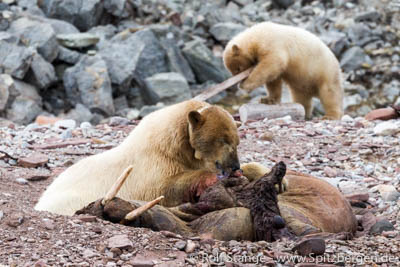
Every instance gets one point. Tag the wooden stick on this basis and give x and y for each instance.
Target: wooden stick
(215, 89)
(139, 211)
(117, 185)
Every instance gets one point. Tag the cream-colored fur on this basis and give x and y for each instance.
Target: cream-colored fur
(160, 152)
(288, 54)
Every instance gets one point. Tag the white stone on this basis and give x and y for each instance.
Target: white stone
(66, 124)
(347, 118)
(386, 128)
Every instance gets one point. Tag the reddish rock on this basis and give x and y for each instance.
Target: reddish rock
(34, 160)
(119, 241)
(46, 120)
(382, 114)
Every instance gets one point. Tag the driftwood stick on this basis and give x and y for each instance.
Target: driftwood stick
(262, 111)
(117, 185)
(213, 90)
(139, 211)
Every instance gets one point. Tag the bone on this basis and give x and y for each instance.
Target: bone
(117, 185)
(139, 211)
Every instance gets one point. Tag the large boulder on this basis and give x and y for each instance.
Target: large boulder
(176, 61)
(203, 63)
(27, 104)
(84, 14)
(170, 87)
(42, 73)
(88, 82)
(15, 60)
(225, 31)
(6, 90)
(36, 34)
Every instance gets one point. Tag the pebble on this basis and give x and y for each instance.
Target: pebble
(22, 181)
(380, 226)
(387, 128)
(65, 124)
(315, 246)
(190, 246)
(119, 241)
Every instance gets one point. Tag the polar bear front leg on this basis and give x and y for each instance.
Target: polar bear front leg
(274, 89)
(267, 70)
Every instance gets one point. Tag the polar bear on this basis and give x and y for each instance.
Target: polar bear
(287, 54)
(176, 152)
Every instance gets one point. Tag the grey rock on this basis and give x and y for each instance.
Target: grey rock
(336, 41)
(283, 3)
(181, 244)
(387, 128)
(42, 73)
(152, 60)
(84, 14)
(6, 88)
(80, 114)
(205, 66)
(225, 31)
(77, 40)
(16, 60)
(146, 110)
(170, 87)
(354, 58)
(88, 82)
(36, 34)
(391, 90)
(119, 121)
(104, 33)
(68, 55)
(360, 34)
(9, 38)
(26, 106)
(368, 16)
(176, 61)
(312, 246)
(61, 27)
(116, 8)
(134, 56)
(380, 226)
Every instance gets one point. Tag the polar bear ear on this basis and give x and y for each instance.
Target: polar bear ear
(195, 119)
(236, 50)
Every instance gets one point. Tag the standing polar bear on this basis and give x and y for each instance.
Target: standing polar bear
(176, 152)
(288, 54)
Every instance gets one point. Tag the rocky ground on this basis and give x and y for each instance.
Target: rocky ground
(89, 60)
(361, 158)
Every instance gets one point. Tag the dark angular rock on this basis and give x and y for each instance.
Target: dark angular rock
(15, 60)
(42, 73)
(116, 8)
(6, 88)
(283, 3)
(176, 61)
(225, 31)
(26, 106)
(170, 87)
(88, 82)
(312, 246)
(68, 56)
(84, 14)
(380, 226)
(354, 58)
(36, 34)
(203, 63)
